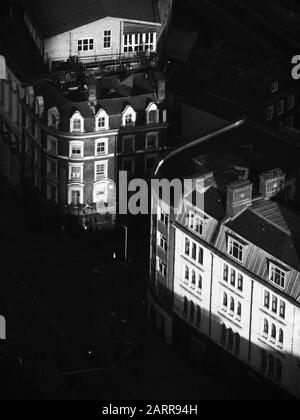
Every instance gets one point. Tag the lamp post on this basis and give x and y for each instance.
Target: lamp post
(126, 240)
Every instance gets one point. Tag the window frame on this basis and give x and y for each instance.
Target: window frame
(105, 172)
(90, 41)
(74, 144)
(107, 39)
(97, 143)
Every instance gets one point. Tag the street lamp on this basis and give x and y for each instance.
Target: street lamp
(126, 240)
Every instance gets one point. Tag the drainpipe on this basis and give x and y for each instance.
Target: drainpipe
(251, 322)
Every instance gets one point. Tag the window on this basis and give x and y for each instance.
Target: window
(277, 276)
(162, 268)
(164, 218)
(232, 277)
(76, 150)
(200, 283)
(52, 145)
(107, 40)
(192, 312)
(187, 274)
(150, 42)
(100, 170)
(187, 246)
(273, 332)
(77, 123)
(237, 348)
(75, 197)
(151, 141)
(76, 173)
(240, 282)
(274, 304)
(275, 86)
(198, 316)
(102, 120)
(201, 256)
(223, 335)
(128, 144)
(225, 300)
(51, 168)
(267, 300)
(270, 113)
(232, 306)
(86, 44)
(226, 273)
(280, 107)
(281, 337)
(194, 251)
(193, 279)
(266, 328)
(230, 340)
(152, 114)
(291, 102)
(235, 249)
(163, 243)
(282, 310)
(239, 310)
(101, 123)
(129, 117)
(101, 147)
(185, 307)
(53, 118)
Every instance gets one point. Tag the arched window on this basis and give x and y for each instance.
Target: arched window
(223, 335)
(267, 300)
(77, 123)
(194, 251)
(278, 371)
(266, 327)
(274, 304)
(200, 283)
(193, 279)
(185, 307)
(129, 117)
(102, 120)
(239, 310)
(198, 316)
(263, 365)
(281, 337)
(187, 246)
(274, 332)
(225, 300)
(230, 339)
(53, 118)
(187, 274)
(152, 114)
(192, 312)
(271, 366)
(232, 305)
(237, 345)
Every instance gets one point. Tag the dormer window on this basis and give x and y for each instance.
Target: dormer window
(236, 249)
(129, 117)
(152, 114)
(77, 123)
(102, 121)
(278, 275)
(53, 118)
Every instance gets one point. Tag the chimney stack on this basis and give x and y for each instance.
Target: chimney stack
(239, 197)
(272, 183)
(92, 91)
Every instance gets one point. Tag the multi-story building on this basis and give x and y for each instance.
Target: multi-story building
(101, 30)
(224, 275)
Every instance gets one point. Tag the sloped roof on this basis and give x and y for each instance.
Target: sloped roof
(58, 16)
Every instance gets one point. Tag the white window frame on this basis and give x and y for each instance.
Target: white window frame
(75, 188)
(107, 38)
(129, 111)
(281, 271)
(152, 107)
(79, 145)
(76, 180)
(102, 115)
(162, 242)
(76, 116)
(89, 40)
(231, 245)
(105, 175)
(97, 143)
(140, 42)
(164, 271)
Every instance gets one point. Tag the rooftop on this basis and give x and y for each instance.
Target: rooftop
(59, 16)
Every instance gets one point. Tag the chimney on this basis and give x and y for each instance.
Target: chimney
(272, 183)
(92, 91)
(239, 197)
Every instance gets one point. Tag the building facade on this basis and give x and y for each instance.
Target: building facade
(224, 275)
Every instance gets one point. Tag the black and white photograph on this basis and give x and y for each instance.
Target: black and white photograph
(149, 203)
